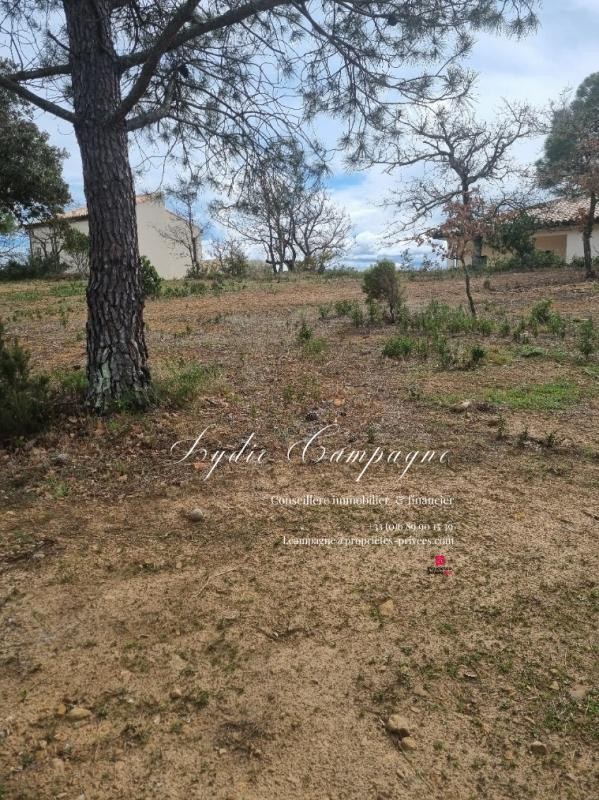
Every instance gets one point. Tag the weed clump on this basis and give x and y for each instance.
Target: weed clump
(24, 398)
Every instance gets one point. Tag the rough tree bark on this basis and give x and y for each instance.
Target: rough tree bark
(587, 233)
(476, 252)
(117, 366)
(468, 288)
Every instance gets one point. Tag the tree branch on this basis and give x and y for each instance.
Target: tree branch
(51, 71)
(210, 25)
(40, 102)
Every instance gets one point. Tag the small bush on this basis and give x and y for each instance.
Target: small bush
(399, 347)
(540, 259)
(315, 347)
(236, 264)
(587, 339)
(343, 308)
(325, 311)
(505, 328)
(305, 332)
(357, 316)
(447, 355)
(150, 279)
(24, 401)
(37, 266)
(439, 318)
(557, 325)
(375, 313)
(541, 312)
(381, 282)
(476, 356)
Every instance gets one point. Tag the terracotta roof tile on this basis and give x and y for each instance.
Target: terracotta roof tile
(562, 212)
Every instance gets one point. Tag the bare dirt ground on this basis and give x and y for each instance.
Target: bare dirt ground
(146, 655)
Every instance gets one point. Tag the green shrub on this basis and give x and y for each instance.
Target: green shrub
(538, 260)
(375, 313)
(477, 354)
(399, 347)
(315, 346)
(23, 269)
(236, 264)
(587, 340)
(447, 355)
(151, 281)
(439, 318)
(24, 401)
(324, 311)
(541, 311)
(305, 332)
(357, 316)
(217, 284)
(422, 348)
(343, 308)
(505, 328)
(556, 325)
(381, 282)
(514, 235)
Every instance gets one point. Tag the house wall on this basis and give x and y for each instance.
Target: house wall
(575, 247)
(554, 241)
(156, 229)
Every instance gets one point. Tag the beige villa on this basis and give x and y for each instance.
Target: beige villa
(162, 235)
(560, 230)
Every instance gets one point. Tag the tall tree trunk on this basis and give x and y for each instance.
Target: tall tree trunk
(117, 357)
(466, 200)
(468, 289)
(195, 260)
(587, 233)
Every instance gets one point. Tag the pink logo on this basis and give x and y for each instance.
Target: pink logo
(439, 561)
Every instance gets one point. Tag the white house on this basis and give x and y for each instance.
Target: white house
(162, 235)
(561, 228)
(560, 231)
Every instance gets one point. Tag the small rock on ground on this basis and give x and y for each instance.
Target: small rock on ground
(78, 713)
(538, 748)
(387, 609)
(399, 725)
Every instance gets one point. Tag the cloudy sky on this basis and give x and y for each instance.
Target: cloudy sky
(558, 56)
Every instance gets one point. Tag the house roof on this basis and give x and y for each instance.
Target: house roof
(557, 213)
(82, 213)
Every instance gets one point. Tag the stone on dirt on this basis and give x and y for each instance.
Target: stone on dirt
(387, 609)
(78, 713)
(538, 748)
(399, 725)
